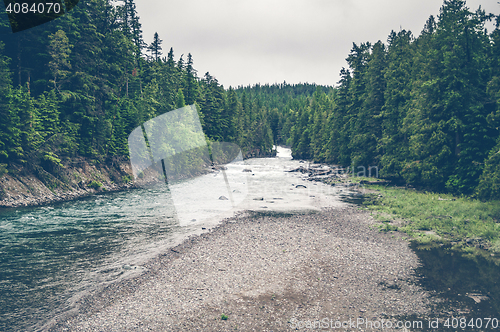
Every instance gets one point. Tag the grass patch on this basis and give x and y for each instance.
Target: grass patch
(126, 179)
(432, 217)
(95, 185)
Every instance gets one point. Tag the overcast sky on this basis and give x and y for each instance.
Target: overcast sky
(243, 42)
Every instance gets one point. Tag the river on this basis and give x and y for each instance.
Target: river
(53, 255)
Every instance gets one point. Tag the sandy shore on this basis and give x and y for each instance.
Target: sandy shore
(265, 273)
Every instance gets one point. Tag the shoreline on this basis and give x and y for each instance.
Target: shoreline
(32, 186)
(262, 270)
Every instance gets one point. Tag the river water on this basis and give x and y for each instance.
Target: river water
(53, 255)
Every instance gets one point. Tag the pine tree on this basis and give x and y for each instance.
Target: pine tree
(22, 104)
(135, 27)
(191, 85)
(155, 47)
(180, 102)
(340, 122)
(367, 127)
(393, 144)
(212, 107)
(47, 106)
(9, 133)
(358, 62)
(59, 50)
(229, 115)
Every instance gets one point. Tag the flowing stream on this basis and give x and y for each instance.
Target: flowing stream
(50, 256)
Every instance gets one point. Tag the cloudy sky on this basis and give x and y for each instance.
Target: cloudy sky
(243, 42)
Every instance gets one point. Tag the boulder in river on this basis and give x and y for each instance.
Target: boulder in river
(299, 169)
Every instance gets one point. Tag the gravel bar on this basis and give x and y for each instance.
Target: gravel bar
(263, 272)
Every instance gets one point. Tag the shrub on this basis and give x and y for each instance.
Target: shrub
(95, 185)
(126, 179)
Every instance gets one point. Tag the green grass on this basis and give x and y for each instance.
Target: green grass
(438, 217)
(95, 185)
(126, 179)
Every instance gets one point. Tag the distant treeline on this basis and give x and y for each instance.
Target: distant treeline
(425, 110)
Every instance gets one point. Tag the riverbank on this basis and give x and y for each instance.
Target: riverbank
(32, 185)
(464, 223)
(266, 272)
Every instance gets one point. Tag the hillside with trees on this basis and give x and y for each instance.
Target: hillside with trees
(78, 86)
(424, 109)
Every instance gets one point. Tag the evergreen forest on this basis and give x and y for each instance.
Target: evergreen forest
(425, 110)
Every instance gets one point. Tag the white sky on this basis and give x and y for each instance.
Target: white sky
(243, 42)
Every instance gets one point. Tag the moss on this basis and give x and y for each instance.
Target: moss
(126, 179)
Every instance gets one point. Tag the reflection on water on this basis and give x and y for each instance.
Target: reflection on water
(470, 282)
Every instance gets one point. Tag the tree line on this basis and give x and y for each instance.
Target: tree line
(424, 110)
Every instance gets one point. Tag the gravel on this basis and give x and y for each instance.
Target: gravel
(265, 272)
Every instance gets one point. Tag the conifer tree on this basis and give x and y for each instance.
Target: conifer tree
(155, 47)
(180, 102)
(393, 144)
(59, 51)
(191, 85)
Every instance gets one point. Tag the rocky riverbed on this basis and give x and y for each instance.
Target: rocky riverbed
(266, 272)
